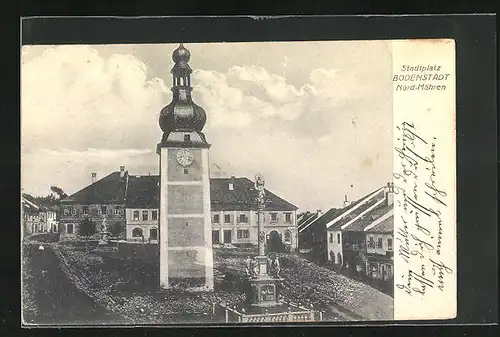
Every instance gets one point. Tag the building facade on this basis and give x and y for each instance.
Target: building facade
(313, 236)
(103, 202)
(48, 216)
(135, 208)
(233, 213)
(30, 216)
(37, 218)
(235, 218)
(142, 209)
(380, 248)
(360, 238)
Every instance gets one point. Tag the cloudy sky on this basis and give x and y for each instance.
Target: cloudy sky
(314, 117)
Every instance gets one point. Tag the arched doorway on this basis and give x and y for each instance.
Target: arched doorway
(137, 233)
(274, 243)
(153, 234)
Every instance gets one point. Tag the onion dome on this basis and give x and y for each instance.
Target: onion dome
(181, 54)
(182, 113)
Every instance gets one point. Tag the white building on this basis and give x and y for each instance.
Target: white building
(361, 236)
(233, 212)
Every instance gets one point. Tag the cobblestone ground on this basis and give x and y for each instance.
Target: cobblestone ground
(64, 284)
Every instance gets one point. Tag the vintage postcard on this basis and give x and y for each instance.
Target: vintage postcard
(256, 182)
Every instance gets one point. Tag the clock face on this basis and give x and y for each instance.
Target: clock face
(184, 157)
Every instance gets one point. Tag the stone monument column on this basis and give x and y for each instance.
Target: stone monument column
(264, 287)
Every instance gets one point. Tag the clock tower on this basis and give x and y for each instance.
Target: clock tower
(186, 257)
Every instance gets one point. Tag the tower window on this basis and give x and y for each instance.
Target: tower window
(187, 138)
(185, 171)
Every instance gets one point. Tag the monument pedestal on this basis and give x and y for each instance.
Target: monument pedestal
(262, 303)
(265, 291)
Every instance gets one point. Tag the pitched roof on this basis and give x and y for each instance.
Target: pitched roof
(321, 220)
(358, 211)
(107, 190)
(242, 197)
(143, 192)
(29, 204)
(307, 220)
(30, 200)
(368, 218)
(384, 224)
(305, 217)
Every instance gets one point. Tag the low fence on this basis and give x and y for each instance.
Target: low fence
(234, 316)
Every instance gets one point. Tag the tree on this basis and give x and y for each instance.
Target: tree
(47, 201)
(116, 229)
(87, 228)
(59, 192)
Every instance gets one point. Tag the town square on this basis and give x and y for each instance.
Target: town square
(261, 197)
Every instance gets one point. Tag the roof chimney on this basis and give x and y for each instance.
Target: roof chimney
(94, 177)
(346, 201)
(319, 212)
(231, 183)
(389, 194)
(122, 171)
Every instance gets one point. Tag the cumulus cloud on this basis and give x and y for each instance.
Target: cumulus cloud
(84, 112)
(73, 98)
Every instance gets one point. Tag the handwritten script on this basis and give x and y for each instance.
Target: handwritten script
(421, 202)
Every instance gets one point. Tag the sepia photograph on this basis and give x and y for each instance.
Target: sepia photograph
(213, 183)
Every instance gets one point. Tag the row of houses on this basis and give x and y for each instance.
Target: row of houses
(128, 205)
(359, 236)
(37, 218)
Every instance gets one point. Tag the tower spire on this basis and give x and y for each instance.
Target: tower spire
(182, 114)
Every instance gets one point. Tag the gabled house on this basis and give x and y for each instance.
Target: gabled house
(103, 202)
(305, 239)
(48, 216)
(142, 208)
(37, 218)
(30, 215)
(361, 235)
(132, 202)
(312, 234)
(234, 214)
(380, 247)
